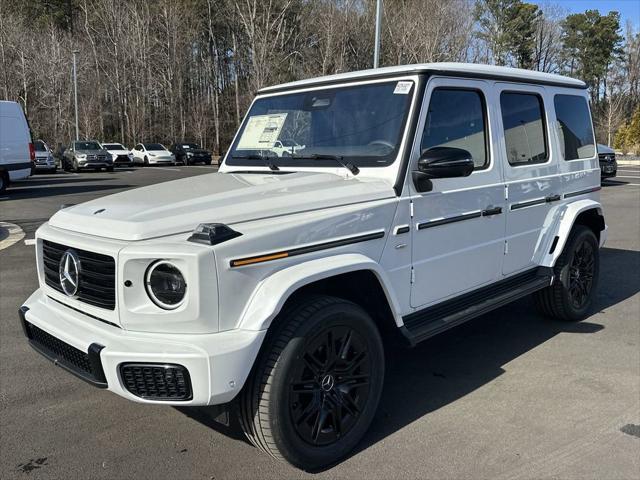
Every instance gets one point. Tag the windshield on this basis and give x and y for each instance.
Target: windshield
(153, 146)
(86, 146)
(113, 146)
(362, 124)
(188, 146)
(39, 146)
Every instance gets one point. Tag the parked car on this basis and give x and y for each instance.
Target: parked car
(190, 153)
(83, 154)
(17, 153)
(119, 153)
(152, 154)
(285, 148)
(44, 157)
(607, 161)
(425, 196)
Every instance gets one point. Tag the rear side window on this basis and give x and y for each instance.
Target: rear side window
(524, 132)
(457, 118)
(574, 127)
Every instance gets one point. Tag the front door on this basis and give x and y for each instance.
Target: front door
(459, 225)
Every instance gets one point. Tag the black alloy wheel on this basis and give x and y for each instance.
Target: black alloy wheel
(575, 278)
(581, 271)
(315, 387)
(330, 386)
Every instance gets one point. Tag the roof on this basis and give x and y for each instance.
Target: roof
(474, 70)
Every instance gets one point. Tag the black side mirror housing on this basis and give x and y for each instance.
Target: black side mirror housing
(442, 162)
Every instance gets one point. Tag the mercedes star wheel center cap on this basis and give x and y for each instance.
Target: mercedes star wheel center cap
(69, 271)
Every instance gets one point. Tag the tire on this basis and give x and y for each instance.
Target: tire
(4, 181)
(576, 278)
(146, 162)
(268, 404)
(75, 168)
(110, 169)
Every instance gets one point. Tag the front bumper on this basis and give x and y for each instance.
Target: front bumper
(218, 364)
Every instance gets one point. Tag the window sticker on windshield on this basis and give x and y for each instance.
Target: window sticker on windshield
(402, 88)
(262, 131)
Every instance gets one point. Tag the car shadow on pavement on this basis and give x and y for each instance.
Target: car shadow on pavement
(36, 182)
(29, 191)
(449, 366)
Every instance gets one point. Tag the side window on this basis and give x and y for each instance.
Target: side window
(457, 118)
(574, 127)
(524, 131)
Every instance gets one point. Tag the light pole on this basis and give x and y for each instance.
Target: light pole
(376, 50)
(75, 91)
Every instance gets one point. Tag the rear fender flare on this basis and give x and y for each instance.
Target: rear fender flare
(565, 219)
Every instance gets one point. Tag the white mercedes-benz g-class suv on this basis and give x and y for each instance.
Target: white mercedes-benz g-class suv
(424, 196)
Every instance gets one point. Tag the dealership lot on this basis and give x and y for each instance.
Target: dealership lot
(509, 395)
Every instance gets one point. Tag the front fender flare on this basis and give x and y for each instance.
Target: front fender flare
(565, 219)
(272, 292)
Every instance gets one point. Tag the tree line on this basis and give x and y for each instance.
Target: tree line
(173, 70)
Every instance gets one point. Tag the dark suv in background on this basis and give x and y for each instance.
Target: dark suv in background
(190, 153)
(608, 163)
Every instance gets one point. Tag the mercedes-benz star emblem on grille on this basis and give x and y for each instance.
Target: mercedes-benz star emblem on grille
(69, 270)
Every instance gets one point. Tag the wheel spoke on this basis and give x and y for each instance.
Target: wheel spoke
(312, 363)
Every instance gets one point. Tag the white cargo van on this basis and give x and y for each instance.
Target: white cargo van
(17, 153)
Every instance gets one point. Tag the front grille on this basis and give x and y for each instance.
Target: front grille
(156, 382)
(91, 157)
(97, 282)
(102, 158)
(122, 158)
(606, 158)
(85, 365)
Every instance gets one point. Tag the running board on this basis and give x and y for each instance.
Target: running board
(426, 323)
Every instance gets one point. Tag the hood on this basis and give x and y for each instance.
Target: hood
(92, 152)
(119, 152)
(604, 149)
(159, 153)
(180, 205)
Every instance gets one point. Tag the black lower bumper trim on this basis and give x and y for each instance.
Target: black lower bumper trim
(84, 365)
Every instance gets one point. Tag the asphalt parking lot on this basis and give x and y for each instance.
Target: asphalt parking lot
(508, 395)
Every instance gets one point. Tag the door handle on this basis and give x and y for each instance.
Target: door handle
(552, 198)
(491, 211)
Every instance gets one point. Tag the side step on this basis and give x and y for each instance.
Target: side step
(426, 323)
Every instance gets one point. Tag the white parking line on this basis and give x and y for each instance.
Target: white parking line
(30, 241)
(165, 168)
(14, 234)
(627, 176)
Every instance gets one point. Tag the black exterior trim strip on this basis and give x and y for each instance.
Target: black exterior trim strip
(411, 135)
(10, 167)
(84, 313)
(530, 203)
(311, 248)
(552, 198)
(401, 230)
(582, 192)
(445, 221)
(437, 318)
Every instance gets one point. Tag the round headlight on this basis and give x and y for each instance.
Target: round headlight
(165, 285)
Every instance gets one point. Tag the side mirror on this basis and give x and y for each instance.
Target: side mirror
(442, 162)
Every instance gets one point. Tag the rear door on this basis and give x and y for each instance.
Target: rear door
(530, 170)
(459, 225)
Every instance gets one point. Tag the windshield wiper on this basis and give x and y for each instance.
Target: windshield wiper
(337, 158)
(255, 156)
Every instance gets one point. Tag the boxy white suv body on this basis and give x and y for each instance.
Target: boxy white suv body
(424, 196)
